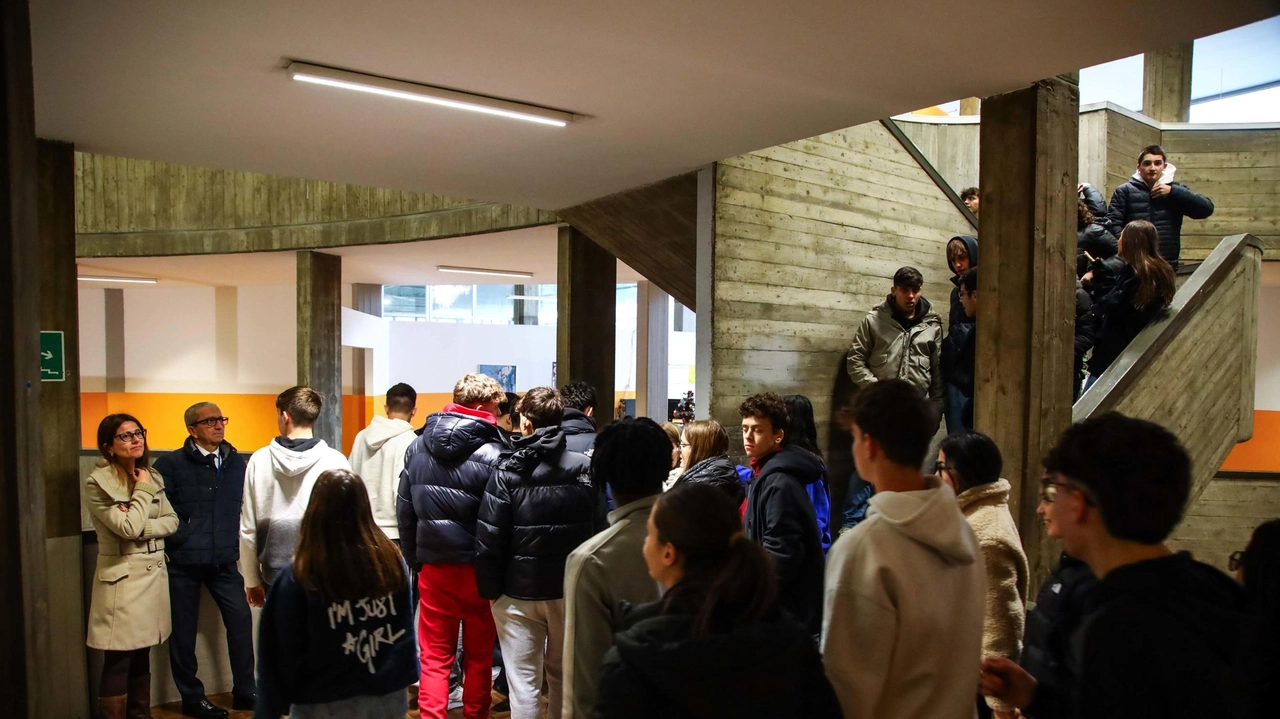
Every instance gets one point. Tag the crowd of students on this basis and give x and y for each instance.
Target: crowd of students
(641, 572)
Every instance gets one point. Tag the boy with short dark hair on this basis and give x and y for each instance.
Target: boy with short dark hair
(1160, 639)
(579, 423)
(779, 515)
(539, 505)
(1151, 194)
(377, 455)
(903, 612)
(608, 571)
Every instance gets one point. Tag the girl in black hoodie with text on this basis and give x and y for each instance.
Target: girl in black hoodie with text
(718, 625)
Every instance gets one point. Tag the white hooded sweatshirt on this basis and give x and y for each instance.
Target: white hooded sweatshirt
(277, 489)
(903, 610)
(378, 457)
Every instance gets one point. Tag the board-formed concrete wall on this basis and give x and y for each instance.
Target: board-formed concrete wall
(807, 238)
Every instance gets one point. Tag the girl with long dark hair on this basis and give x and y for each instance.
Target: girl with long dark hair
(718, 625)
(1144, 288)
(129, 608)
(336, 637)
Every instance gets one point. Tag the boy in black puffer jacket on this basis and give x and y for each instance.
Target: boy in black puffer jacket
(538, 507)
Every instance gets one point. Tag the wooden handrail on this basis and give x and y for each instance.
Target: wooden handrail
(1142, 351)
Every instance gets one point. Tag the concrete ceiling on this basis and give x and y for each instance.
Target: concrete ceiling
(668, 84)
(413, 263)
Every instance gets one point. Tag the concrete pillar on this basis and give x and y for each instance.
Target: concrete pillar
(587, 277)
(1026, 286)
(24, 622)
(971, 106)
(367, 299)
(653, 316)
(60, 431)
(320, 337)
(1166, 84)
(113, 323)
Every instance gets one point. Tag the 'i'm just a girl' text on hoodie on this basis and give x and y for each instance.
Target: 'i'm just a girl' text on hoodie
(277, 489)
(904, 600)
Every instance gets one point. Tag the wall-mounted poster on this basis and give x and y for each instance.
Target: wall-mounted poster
(505, 374)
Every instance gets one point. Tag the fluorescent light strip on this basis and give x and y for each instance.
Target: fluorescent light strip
(330, 77)
(531, 298)
(483, 271)
(132, 280)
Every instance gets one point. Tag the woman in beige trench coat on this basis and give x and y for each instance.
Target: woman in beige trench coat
(129, 609)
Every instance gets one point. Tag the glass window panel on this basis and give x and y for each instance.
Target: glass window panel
(404, 301)
(494, 305)
(452, 303)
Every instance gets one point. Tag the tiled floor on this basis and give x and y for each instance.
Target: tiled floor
(174, 711)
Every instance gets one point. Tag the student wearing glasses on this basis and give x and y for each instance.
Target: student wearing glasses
(129, 606)
(1161, 634)
(204, 481)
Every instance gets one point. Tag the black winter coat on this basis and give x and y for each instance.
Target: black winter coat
(538, 507)
(1084, 326)
(718, 472)
(445, 473)
(780, 517)
(1117, 321)
(579, 432)
(1161, 638)
(1095, 240)
(1132, 201)
(207, 500)
(1046, 651)
(769, 669)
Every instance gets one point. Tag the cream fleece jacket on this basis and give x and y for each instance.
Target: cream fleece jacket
(902, 621)
(986, 507)
(377, 455)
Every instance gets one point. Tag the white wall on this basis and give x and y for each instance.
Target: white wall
(93, 340)
(267, 328)
(170, 341)
(362, 330)
(431, 357)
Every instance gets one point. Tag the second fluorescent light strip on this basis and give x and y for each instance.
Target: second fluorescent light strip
(320, 75)
(484, 271)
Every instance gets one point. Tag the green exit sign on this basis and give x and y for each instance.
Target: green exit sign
(53, 356)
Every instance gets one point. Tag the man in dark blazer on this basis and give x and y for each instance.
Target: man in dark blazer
(205, 484)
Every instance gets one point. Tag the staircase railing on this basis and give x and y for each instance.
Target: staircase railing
(1194, 369)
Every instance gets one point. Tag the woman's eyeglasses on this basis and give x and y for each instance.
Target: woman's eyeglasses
(938, 467)
(212, 422)
(1236, 560)
(127, 437)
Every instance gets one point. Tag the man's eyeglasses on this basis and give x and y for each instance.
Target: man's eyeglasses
(127, 437)
(212, 422)
(1236, 560)
(1049, 490)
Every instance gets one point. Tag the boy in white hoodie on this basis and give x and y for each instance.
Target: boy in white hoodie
(377, 455)
(905, 589)
(277, 489)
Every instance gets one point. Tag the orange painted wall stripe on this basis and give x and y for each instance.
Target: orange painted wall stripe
(1262, 453)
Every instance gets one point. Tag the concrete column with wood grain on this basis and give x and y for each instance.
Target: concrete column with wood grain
(652, 346)
(60, 430)
(24, 585)
(320, 337)
(587, 280)
(1166, 84)
(1026, 287)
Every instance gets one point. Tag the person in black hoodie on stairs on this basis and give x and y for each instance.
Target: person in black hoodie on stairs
(718, 625)
(779, 515)
(962, 256)
(1161, 636)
